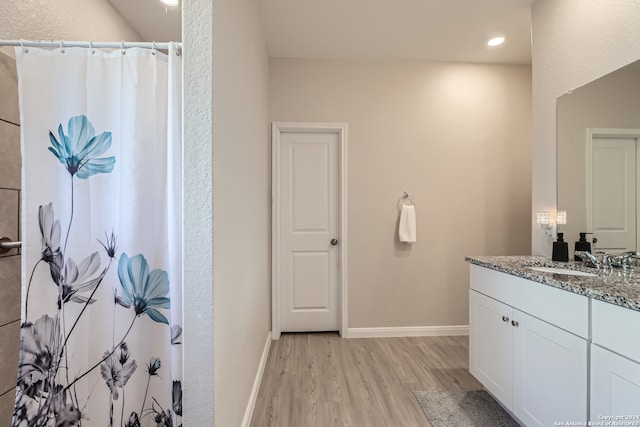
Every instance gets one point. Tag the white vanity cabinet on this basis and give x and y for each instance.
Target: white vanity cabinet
(491, 345)
(528, 346)
(615, 363)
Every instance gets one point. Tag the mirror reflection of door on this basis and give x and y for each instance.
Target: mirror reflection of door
(612, 196)
(609, 103)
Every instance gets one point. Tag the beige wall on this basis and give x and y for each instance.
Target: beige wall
(93, 20)
(457, 136)
(242, 205)
(611, 102)
(574, 42)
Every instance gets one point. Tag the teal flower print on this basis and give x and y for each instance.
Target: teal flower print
(142, 289)
(78, 151)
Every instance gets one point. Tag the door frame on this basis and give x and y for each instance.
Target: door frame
(622, 133)
(278, 128)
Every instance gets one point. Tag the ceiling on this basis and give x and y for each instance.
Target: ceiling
(151, 19)
(425, 30)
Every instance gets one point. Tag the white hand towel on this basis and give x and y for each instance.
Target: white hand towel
(407, 228)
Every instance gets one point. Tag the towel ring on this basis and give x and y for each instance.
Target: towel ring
(407, 197)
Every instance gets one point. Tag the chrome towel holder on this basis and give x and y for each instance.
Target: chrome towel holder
(6, 244)
(407, 197)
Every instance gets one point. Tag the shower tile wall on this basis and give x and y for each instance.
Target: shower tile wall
(10, 164)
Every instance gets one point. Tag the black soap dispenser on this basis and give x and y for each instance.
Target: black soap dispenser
(560, 249)
(582, 245)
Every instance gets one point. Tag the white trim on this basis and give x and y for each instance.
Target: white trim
(408, 331)
(275, 219)
(276, 129)
(256, 383)
(344, 245)
(600, 133)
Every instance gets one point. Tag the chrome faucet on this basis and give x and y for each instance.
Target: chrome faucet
(626, 260)
(604, 260)
(588, 259)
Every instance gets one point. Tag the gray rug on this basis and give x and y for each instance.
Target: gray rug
(463, 409)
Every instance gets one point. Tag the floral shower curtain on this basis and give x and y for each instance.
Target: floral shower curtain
(102, 244)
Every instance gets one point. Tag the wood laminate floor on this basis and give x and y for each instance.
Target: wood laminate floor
(323, 380)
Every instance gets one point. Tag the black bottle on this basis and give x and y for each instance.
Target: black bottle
(582, 245)
(560, 249)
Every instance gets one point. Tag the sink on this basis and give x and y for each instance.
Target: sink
(566, 272)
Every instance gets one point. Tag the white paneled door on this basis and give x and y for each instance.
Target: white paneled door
(308, 240)
(613, 193)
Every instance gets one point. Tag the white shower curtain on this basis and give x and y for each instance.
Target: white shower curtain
(102, 244)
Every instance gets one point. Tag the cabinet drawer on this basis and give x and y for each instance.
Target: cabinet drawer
(564, 309)
(616, 328)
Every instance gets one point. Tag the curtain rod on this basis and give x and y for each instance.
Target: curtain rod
(97, 45)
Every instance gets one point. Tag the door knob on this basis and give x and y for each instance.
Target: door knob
(334, 242)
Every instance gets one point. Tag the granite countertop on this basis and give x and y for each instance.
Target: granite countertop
(614, 286)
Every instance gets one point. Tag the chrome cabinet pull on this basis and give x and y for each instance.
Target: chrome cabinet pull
(514, 323)
(505, 319)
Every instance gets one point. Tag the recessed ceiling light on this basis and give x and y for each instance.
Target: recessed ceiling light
(495, 41)
(170, 2)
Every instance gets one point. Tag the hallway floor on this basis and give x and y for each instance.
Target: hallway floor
(322, 380)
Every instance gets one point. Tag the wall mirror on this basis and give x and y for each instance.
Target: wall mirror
(598, 160)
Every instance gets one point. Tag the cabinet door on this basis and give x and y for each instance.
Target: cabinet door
(615, 386)
(550, 373)
(491, 345)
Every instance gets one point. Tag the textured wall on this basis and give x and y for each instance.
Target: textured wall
(63, 19)
(242, 205)
(457, 136)
(198, 212)
(574, 42)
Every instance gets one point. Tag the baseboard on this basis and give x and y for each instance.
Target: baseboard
(408, 331)
(256, 383)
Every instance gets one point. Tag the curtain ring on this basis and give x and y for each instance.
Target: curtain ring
(153, 48)
(93, 51)
(24, 49)
(122, 47)
(61, 46)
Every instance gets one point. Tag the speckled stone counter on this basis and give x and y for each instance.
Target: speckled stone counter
(615, 287)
